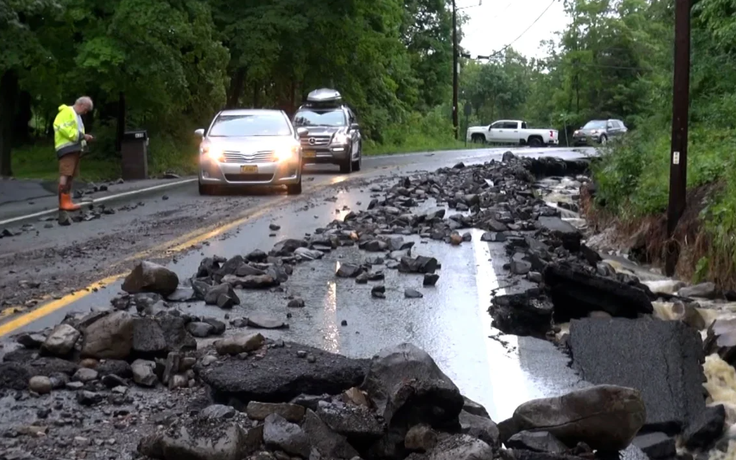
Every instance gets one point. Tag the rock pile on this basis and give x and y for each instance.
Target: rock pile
(398, 405)
(104, 351)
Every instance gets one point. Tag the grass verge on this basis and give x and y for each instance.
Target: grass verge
(39, 161)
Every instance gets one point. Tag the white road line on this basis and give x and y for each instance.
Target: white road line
(103, 199)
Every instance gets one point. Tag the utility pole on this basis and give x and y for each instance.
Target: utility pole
(454, 70)
(456, 66)
(680, 107)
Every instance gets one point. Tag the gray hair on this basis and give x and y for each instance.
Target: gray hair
(85, 100)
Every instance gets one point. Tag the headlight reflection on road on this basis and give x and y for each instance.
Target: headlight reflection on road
(331, 333)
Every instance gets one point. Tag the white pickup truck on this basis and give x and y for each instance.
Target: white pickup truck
(512, 132)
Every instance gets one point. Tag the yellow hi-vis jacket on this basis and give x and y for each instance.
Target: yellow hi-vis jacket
(68, 132)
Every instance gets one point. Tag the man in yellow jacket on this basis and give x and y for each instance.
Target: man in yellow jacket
(70, 141)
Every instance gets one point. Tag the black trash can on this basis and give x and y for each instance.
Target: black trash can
(134, 149)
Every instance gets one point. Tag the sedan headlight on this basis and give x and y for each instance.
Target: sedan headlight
(287, 153)
(213, 153)
(340, 138)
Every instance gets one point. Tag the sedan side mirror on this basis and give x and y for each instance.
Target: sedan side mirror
(354, 126)
(199, 132)
(302, 132)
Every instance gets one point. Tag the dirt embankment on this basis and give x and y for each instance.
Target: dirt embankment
(645, 238)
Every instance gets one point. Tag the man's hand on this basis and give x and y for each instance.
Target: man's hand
(88, 137)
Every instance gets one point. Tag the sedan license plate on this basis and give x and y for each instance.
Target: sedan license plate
(310, 154)
(249, 169)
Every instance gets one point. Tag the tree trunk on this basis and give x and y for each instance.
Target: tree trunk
(8, 102)
(237, 84)
(256, 94)
(21, 122)
(292, 97)
(120, 122)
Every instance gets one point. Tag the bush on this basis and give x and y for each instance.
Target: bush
(432, 131)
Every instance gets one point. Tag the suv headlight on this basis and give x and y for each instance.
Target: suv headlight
(287, 153)
(340, 138)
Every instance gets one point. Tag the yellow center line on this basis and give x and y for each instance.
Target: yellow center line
(51, 307)
(178, 244)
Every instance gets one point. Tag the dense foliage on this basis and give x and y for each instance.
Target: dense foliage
(169, 65)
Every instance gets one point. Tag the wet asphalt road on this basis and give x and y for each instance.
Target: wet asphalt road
(450, 322)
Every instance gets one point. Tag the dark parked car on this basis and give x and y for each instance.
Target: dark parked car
(599, 132)
(333, 134)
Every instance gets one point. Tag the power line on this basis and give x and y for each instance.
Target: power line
(522, 34)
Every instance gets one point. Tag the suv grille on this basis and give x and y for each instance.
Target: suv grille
(232, 156)
(318, 141)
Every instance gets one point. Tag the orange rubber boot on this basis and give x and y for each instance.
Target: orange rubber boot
(66, 204)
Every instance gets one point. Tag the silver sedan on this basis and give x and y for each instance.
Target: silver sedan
(250, 147)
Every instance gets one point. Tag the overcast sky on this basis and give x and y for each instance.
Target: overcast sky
(497, 22)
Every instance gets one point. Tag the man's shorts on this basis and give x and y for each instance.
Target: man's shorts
(69, 165)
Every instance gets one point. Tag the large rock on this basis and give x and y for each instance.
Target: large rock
(661, 359)
(408, 388)
(328, 443)
(150, 277)
(110, 337)
(281, 375)
(405, 379)
(526, 314)
(280, 434)
(605, 417)
(62, 340)
(575, 293)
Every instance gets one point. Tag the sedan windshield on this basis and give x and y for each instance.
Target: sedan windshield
(595, 124)
(250, 125)
(320, 118)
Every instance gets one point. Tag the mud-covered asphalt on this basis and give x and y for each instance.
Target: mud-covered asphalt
(450, 322)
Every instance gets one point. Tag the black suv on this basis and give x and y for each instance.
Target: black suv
(333, 134)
